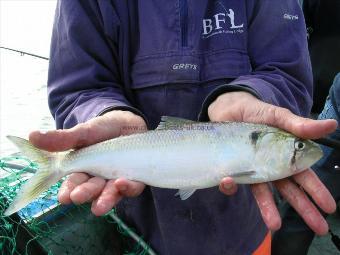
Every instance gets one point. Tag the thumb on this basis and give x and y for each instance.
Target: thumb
(62, 140)
(241, 106)
(93, 131)
(299, 126)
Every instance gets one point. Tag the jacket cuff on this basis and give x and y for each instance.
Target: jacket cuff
(124, 108)
(95, 107)
(203, 116)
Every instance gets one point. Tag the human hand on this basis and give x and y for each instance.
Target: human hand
(80, 187)
(242, 106)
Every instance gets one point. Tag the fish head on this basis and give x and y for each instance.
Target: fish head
(283, 154)
(304, 155)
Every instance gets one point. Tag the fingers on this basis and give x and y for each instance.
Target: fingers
(264, 199)
(129, 188)
(88, 190)
(69, 185)
(62, 140)
(241, 106)
(79, 188)
(98, 129)
(113, 192)
(310, 182)
(303, 206)
(267, 206)
(109, 197)
(228, 186)
(305, 128)
(299, 126)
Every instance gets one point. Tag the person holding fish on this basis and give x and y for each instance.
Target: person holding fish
(323, 21)
(117, 67)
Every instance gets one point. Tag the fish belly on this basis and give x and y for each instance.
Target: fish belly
(179, 162)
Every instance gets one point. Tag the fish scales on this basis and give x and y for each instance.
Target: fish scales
(165, 144)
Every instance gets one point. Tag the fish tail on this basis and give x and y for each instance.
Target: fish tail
(47, 174)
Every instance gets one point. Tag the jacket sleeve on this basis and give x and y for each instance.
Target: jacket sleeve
(84, 79)
(277, 47)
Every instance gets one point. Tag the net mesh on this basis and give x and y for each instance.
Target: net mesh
(45, 227)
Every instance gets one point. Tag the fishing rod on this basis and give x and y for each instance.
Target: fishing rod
(22, 53)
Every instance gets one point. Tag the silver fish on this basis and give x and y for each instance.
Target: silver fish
(179, 154)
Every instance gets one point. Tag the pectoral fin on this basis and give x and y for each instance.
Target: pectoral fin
(185, 193)
(242, 174)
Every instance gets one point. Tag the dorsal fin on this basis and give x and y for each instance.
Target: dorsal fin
(168, 122)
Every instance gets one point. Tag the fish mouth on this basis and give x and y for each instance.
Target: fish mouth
(318, 153)
(315, 154)
(308, 160)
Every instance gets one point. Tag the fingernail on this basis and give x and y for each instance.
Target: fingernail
(228, 186)
(100, 204)
(99, 208)
(43, 132)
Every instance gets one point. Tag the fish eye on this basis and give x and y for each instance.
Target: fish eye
(299, 145)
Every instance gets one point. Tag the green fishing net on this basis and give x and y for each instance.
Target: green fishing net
(45, 227)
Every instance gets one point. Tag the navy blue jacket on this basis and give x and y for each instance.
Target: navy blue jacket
(174, 58)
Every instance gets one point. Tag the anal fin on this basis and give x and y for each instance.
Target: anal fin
(185, 193)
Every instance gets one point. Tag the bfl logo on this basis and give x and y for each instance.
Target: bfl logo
(223, 22)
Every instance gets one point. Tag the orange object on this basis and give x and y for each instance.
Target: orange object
(265, 246)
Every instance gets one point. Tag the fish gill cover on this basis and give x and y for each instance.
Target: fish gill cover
(45, 227)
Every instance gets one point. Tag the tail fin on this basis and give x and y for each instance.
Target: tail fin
(45, 177)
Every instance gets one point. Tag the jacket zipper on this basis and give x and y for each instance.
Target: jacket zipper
(183, 5)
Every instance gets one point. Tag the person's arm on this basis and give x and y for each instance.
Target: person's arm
(282, 77)
(277, 47)
(84, 76)
(86, 97)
